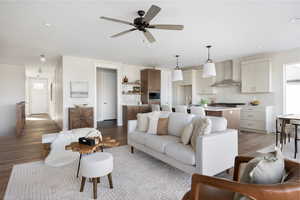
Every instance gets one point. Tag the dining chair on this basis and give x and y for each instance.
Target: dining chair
(181, 109)
(296, 124)
(288, 131)
(197, 110)
(166, 108)
(155, 107)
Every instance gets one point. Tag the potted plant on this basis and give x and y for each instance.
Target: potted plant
(204, 102)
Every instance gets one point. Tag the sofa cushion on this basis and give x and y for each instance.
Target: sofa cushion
(181, 152)
(177, 122)
(137, 136)
(158, 143)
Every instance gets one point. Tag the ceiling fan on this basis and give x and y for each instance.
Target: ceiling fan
(141, 23)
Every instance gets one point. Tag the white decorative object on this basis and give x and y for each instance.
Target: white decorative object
(256, 119)
(209, 68)
(79, 89)
(177, 73)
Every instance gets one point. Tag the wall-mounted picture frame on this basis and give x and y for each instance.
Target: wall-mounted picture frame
(79, 89)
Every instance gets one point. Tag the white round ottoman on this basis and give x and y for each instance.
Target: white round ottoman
(94, 166)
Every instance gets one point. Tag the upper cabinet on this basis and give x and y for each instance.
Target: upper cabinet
(256, 76)
(203, 85)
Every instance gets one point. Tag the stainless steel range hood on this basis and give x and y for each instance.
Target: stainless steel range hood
(228, 79)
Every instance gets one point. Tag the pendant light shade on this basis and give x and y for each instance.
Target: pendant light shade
(209, 68)
(177, 73)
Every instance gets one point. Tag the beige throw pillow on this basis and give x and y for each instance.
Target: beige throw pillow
(143, 121)
(202, 126)
(187, 134)
(162, 126)
(265, 169)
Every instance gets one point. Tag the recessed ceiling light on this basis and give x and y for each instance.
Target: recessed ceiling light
(47, 24)
(295, 20)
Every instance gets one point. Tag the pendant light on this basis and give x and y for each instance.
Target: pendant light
(177, 73)
(209, 68)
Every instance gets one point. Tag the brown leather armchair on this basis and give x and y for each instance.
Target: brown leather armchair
(212, 188)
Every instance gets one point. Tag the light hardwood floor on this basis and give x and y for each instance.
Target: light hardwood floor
(28, 148)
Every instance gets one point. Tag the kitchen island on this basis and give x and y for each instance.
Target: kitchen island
(232, 115)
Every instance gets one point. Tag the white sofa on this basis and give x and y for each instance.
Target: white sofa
(214, 152)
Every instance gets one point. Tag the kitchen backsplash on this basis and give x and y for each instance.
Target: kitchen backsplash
(233, 95)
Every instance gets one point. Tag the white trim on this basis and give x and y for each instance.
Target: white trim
(116, 67)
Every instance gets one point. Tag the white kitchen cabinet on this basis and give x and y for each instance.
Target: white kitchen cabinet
(256, 119)
(256, 76)
(203, 85)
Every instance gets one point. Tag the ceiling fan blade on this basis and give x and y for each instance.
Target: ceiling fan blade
(166, 26)
(122, 33)
(117, 20)
(149, 36)
(151, 13)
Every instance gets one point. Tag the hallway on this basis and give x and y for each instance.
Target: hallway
(27, 148)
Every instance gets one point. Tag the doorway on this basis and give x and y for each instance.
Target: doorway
(291, 89)
(106, 97)
(38, 96)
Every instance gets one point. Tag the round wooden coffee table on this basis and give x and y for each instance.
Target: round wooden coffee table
(86, 149)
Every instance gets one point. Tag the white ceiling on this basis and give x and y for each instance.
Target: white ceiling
(234, 27)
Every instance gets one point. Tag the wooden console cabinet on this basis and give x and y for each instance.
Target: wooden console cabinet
(81, 117)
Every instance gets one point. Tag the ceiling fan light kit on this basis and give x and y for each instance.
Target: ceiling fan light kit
(177, 73)
(209, 68)
(142, 23)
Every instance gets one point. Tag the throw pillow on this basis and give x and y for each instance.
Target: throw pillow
(143, 121)
(202, 126)
(266, 169)
(162, 126)
(187, 134)
(153, 121)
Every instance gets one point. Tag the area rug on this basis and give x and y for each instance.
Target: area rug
(288, 150)
(136, 176)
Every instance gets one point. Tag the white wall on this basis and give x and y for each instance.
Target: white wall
(275, 99)
(84, 69)
(12, 90)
